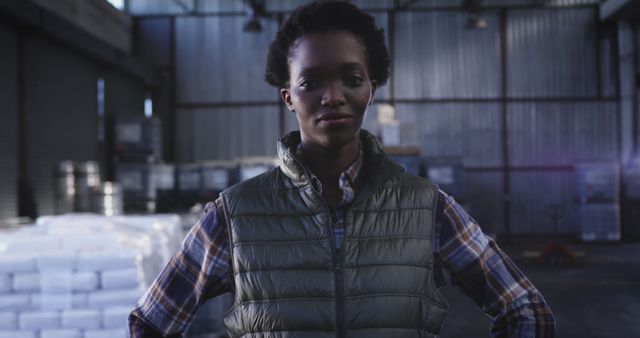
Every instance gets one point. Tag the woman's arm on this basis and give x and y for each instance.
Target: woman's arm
(474, 263)
(200, 270)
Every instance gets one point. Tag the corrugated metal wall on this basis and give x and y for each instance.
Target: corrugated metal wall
(468, 130)
(561, 134)
(628, 87)
(61, 119)
(154, 47)
(436, 57)
(59, 103)
(9, 125)
(485, 198)
(123, 95)
(552, 52)
(448, 85)
(217, 62)
(608, 60)
(225, 133)
(535, 195)
(218, 66)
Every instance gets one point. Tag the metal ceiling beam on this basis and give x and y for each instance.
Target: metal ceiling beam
(35, 19)
(401, 5)
(620, 10)
(184, 6)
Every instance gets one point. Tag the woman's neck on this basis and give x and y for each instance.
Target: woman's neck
(328, 163)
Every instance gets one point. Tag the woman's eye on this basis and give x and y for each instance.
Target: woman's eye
(354, 81)
(307, 84)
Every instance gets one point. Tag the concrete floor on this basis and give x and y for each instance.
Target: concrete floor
(597, 298)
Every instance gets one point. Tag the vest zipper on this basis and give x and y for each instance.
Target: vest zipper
(339, 280)
(337, 264)
(337, 276)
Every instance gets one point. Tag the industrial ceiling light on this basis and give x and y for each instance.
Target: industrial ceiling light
(252, 25)
(475, 20)
(255, 9)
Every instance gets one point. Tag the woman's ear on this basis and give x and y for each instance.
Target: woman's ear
(285, 94)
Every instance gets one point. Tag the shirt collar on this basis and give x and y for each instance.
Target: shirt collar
(346, 181)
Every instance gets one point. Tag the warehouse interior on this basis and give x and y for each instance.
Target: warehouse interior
(131, 115)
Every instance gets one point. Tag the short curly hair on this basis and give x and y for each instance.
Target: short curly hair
(327, 16)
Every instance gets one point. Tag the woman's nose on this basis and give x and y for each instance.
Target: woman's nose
(333, 95)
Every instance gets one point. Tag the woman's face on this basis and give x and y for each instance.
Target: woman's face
(329, 88)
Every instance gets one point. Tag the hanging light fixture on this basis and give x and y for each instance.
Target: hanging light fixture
(255, 9)
(473, 9)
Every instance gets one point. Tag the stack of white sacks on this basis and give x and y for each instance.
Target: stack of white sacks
(79, 276)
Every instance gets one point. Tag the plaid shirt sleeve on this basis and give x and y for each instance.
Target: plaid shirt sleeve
(467, 259)
(200, 270)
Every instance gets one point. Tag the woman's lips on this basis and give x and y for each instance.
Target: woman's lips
(334, 119)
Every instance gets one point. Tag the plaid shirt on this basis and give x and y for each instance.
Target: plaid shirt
(463, 257)
(346, 183)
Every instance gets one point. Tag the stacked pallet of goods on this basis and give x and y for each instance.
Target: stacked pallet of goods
(79, 276)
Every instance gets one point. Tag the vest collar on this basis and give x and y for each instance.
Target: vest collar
(291, 166)
(376, 169)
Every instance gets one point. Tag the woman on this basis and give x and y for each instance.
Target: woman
(338, 241)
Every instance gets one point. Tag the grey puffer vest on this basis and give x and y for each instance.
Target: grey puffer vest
(289, 280)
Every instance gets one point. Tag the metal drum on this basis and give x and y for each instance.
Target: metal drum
(107, 199)
(65, 187)
(87, 180)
